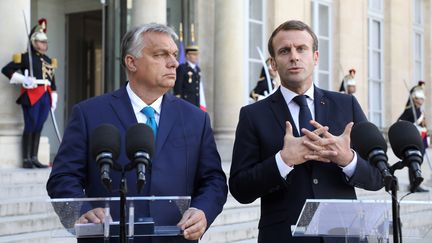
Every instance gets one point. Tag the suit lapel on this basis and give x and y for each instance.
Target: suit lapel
(168, 117)
(122, 107)
(321, 107)
(281, 111)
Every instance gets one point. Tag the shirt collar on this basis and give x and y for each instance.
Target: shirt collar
(138, 104)
(192, 65)
(289, 95)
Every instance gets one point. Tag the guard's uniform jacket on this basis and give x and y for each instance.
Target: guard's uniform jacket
(187, 83)
(43, 68)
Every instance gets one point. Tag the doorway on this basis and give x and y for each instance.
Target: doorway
(84, 57)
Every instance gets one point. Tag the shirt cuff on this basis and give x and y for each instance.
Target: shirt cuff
(350, 168)
(284, 169)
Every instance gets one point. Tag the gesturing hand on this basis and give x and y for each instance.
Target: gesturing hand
(334, 148)
(294, 151)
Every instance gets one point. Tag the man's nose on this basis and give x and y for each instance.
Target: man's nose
(294, 56)
(172, 62)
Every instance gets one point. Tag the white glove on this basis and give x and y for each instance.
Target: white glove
(54, 99)
(28, 82)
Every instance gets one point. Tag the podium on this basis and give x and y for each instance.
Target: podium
(371, 219)
(145, 216)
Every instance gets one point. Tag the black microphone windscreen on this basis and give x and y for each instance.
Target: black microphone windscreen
(404, 135)
(139, 137)
(105, 138)
(366, 137)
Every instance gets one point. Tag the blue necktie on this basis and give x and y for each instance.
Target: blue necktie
(304, 114)
(149, 112)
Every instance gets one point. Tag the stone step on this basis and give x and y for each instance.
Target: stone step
(12, 225)
(233, 203)
(231, 232)
(253, 240)
(237, 215)
(22, 190)
(24, 206)
(23, 176)
(36, 237)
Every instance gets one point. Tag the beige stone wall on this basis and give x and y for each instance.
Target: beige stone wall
(14, 41)
(398, 58)
(205, 26)
(428, 59)
(350, 41)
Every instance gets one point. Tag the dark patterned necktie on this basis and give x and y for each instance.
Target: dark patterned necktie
(304, 114)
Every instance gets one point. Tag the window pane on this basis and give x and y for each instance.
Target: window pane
(324, 50)
(417, 46)
(323, 81)
(376, 65)
(323, 23)
(255, 39)
(417, 71)
(376, 119)
(375, 5)
(255, 10)
(375, 94)
(376, 34)
(417, 12)
(254, 73)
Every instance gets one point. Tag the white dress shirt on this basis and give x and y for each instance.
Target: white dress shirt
(138, 105)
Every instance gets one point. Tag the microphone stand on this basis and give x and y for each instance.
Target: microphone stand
(123, 191)
(394, 187)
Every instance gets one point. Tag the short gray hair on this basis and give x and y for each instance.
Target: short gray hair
(132, 42)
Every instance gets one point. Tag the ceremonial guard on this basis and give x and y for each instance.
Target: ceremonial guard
(187, 85)
(34, 71)
(261, 89)
(414, 112)
(348, 84)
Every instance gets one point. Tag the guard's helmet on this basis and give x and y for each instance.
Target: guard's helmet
(38, 32)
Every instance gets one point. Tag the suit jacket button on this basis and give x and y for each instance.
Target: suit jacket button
(315, 181)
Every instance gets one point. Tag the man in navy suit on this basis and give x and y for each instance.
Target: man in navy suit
(283, 165)
(185, 163)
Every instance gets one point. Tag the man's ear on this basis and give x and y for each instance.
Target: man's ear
(273, 64)
(130, 63)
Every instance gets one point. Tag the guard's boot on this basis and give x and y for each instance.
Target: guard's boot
(26, 150)
(34, 151)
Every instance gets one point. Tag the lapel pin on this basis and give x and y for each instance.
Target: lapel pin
(322, 102)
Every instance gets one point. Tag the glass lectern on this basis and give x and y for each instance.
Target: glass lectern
(144, 217)
(362, 219)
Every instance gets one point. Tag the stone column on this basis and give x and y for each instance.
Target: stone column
(230, 63)
(14, 41)
(205, 24)
(147, 11)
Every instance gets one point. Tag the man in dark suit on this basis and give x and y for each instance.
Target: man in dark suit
(185, 163)
(275, 160)
(188, 80)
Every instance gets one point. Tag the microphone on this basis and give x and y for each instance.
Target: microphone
(370, 144)
(105, 146)
(140, 149)
(407, 145)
